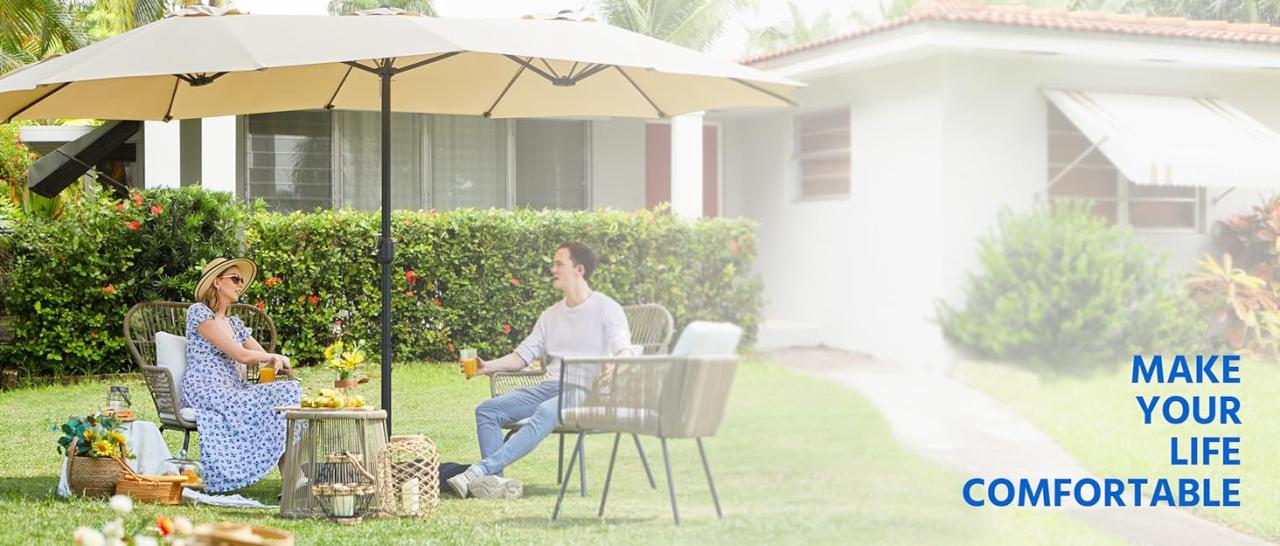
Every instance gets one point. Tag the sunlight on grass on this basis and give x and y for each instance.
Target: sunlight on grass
(796, 461)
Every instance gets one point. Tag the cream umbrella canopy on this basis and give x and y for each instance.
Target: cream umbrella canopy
(203, 62)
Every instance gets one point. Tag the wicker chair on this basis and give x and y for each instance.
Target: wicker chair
(651, 327)
(141, 323)
(682, 395)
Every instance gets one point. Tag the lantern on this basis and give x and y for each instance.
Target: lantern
(118, 398)
(344, 489)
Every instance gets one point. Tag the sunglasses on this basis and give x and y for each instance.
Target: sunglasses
(235, 279)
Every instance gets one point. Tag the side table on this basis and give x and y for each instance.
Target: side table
(313, 434)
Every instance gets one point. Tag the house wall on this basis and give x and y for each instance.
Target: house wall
(939, 146)
(862, 270)
(617, 163)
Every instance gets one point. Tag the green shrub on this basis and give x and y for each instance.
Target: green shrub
(1059, 287)
(73, 278)
(479, 278)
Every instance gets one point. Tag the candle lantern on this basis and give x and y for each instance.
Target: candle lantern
(344, 489)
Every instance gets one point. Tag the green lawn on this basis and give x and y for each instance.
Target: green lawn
(796, 461)
(1096, 418)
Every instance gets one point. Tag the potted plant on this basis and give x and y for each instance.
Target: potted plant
(94, 448)
(345, 360)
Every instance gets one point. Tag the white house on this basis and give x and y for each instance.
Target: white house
(870, 195)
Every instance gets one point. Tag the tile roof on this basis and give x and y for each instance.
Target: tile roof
(975, 11)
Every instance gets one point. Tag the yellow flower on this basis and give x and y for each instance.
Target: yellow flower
(103, 448)
(353, 358)
(332, 350)
(90, 436)
(116, 438)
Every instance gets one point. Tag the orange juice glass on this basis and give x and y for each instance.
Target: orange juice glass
(266, 374)
(470, 362)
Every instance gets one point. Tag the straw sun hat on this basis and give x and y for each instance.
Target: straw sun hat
(217, 266)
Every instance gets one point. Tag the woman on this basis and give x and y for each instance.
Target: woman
(241, 436)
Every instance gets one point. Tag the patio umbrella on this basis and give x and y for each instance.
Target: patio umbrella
(203, 62)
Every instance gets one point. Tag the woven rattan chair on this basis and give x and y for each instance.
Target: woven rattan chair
(682, 395)
(141, 323)
(651, 327)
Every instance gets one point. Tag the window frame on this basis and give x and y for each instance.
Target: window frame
(798, 157)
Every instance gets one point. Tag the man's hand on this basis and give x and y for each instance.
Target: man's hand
(481, 369)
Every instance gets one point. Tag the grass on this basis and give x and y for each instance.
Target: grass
(796, 460)
(1096, 418)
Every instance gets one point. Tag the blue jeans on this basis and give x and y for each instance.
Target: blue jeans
(539, 402)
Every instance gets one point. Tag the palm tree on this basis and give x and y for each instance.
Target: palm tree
(343, 7)
(690, 23)
(32, 29)
(799, 30)
(118, 16)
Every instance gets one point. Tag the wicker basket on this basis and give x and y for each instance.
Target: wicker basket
(150, 489)
(90, 476)
(239, 534)
(404, 461)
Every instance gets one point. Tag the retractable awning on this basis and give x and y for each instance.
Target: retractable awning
(1175, 140)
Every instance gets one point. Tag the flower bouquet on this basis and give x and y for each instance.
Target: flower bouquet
(93, 446)
(345, 359)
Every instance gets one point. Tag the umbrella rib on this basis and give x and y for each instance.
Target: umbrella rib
(356, 64)
(571, 69)
(425, 62)
(590, 72)
(765, 91)
(329, 105)
(489, 112)
(37, 101)
(548, 65)
(535, 69)
(169, 111)
(661, 114)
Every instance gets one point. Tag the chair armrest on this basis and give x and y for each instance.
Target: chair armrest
(165, 395)
(503, 382)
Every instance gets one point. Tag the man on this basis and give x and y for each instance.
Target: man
(584, 323)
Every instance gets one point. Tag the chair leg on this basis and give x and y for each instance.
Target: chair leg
(710, 482)
(560, 461)
(186, 444)
(565, 484)
(644, 461)
(608, 477)
(671, 485)
(582, 468)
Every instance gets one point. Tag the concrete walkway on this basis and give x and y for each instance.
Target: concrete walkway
(963, 428)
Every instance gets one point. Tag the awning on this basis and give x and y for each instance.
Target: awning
(1175, 141)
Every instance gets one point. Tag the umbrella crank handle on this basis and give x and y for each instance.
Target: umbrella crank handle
(386, 249)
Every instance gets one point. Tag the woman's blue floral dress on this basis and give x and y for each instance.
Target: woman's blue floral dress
(241, 436)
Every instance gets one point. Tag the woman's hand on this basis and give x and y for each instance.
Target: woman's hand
(279, 362)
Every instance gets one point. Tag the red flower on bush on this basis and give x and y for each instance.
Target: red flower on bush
(506, 328)
(134, 225)
(137, 199)
(156, 210)
(433, 212)
(733, 247)
(515, 282)
(272, 282)
(108, 289)
(93, 334)
(437, 302)
(261, 305)
(313, 299)
(451, 349)
(120, 206)
(410, 293)
(409, 276)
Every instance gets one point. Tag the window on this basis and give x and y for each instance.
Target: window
(359, 174)
(288, 159)
(309, 159)
(551, 170)
(822, 153)
(1114, 197)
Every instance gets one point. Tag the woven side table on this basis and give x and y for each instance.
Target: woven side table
(311, 435)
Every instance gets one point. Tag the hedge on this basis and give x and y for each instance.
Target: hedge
(463, 277)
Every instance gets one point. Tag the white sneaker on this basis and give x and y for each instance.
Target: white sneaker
(495, 487)
(461, 483)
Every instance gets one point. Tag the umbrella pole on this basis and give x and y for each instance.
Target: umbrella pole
(386, 248)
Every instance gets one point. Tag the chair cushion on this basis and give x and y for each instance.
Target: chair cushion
(188, 414)
(617, 419)
(171, 353)
(707, 338)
